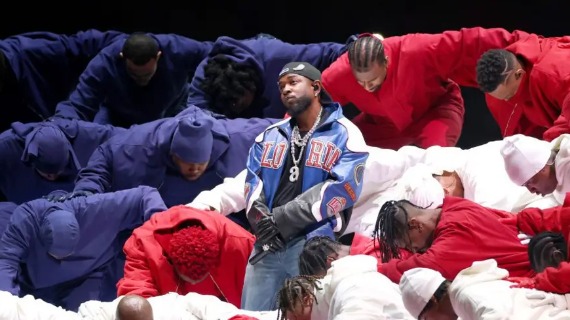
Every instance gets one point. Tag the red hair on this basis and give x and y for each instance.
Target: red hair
(194, 251)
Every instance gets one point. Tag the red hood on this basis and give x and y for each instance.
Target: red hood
(531, 48)
(179, 217)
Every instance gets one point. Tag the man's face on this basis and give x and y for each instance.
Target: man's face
(451, 184)
(330, 259)
(372, 79)
(59, 257)
(190, 171)
(190, 280)
(142, 74)
(542, 183)
(419, 236)
(301, 310)
(297, 93)
(48, 176)
(510, 86)
(438, 311)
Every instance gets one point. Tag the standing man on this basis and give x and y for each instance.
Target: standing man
(527, 86)
(138, 79)
(402, 84)
(71, 252)
(303, 172)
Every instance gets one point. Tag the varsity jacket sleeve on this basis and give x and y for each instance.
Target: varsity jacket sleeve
(256, 207)
(329, 198)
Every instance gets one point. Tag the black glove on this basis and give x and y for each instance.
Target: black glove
(74, 194)
(268, 235)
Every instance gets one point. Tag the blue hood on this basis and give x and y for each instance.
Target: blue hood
(46, 148)
(59, 231)
(239, 52)
(221, 138)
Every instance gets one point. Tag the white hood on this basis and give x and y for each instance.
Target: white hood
(353, 289)
(419, 187)
(480, 293)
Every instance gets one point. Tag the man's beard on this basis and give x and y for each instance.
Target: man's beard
(299, 106)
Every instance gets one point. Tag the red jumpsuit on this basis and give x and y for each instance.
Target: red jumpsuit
(417, 103)
(544, 92)
(532, 221)
(467, 232)
(148, 272)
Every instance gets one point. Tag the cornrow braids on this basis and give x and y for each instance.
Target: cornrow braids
(391, 226)
(294, 291)
(363, 52)
(493, 68)
(313, 258)
(541, 247)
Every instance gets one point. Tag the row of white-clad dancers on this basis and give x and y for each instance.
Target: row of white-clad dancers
(498, 175)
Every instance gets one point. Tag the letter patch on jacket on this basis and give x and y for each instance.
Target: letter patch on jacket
(335, 205)
(273, 155)
(322, 155)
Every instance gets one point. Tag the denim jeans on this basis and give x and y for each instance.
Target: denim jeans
(264, 279)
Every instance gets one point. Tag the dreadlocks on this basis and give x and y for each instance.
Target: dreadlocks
(363, 52)
(313, 258)
(294, 291)
(391, 226)
(493, 68)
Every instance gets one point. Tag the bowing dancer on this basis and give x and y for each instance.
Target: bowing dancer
(66, 253)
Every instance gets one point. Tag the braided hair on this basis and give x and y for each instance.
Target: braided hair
(363, 52)
(540, 250)
(313, 258)
(391, 225)
(294, 291)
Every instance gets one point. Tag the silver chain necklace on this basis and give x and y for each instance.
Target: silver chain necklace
(297, 141)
